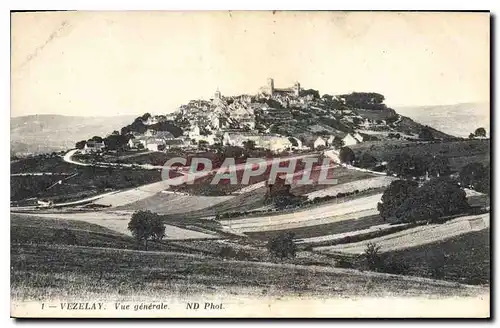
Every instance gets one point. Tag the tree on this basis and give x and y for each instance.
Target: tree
(438, 166)
(367, 160)
(483, 184)
(116, 141)
(172, 128)
(282, 245)
(337, 143)
(471, 136)
(419, 165)
(436, 198)
(480, 132)
(400, 164)
(281, 196)
(426, 134)
(80, 144)
(96, 139)
(475, 176)
(145, 226)
(392, 198)
(366, 100)
(306, 92)
(346, 155)
(406, 166)
(145, 117)
(327, 97)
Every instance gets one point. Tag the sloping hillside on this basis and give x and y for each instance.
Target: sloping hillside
(111, 273)
(48, 133)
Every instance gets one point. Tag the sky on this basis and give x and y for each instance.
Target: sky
(124, 63)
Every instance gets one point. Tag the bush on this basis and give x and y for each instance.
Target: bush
(372, 257)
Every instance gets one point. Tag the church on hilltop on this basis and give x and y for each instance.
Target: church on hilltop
(270, 90)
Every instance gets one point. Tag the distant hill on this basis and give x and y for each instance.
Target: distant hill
(48, 133)
(458, 120)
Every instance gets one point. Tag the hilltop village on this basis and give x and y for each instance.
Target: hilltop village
(275, 119)
(403, 193)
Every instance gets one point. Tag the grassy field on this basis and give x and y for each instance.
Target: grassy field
(322, 229)
(416, 236)
(33, 230)
(464, 258)
(244, 202)
(378, 182)
(88, 182)
(174, 203)
(41, 163)
(50, 271)
(36, 222)
(342, 174)
(328, 212)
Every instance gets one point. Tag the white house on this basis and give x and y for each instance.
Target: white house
(176, 143)
(139, 140)
(134, 143)
(319, 142)
(274, 143)
(195, 132)
(155, 144)
(93, 147)
(350, 140)
(358, 137)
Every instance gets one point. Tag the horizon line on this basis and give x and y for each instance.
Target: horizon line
(155, 113)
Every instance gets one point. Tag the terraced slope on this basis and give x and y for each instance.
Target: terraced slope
(413, 237)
